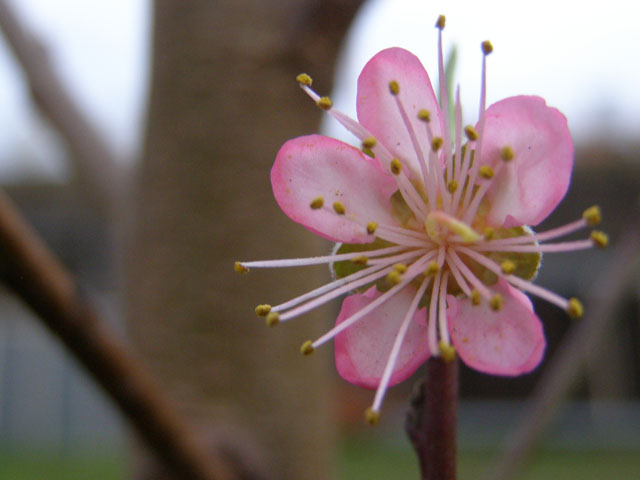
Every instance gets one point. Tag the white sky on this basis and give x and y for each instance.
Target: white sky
(583, 60)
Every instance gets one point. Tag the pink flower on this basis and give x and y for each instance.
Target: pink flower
(432, 225)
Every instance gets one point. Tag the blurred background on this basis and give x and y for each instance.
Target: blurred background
(153, 178)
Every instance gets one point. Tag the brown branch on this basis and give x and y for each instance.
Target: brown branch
(431, 421)
(564, 369)
(93, 161)
(35, 275)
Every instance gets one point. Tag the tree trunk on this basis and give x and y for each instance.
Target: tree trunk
(223, 100)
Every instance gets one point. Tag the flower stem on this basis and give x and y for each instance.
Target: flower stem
(432, 420)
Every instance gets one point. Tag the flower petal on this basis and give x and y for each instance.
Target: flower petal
(536, 180)
(362, 350)
(378, 111)
(317, 166)
(507, 342)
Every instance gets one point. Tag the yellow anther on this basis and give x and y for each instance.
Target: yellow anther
(360, 260)
(371, 416)
(396, 166)
(424, 115)
(471, 133)
(307, 348)
(496, 302)
(432, 268)
(369, 143)
(272, 319)
(487, 48)
(394, 277)
(452, 186)
(240, 268)
(508, 267)
(317, 203)
(324, 103)
(394, 88)
(486, 172)
(263, 310)
(339, 208)
(447, 352)
(506, 153)
(476, 299)
(592, 216)
(440, 22)
(599, 238)
(372, 227)
(436, 143)
(304, 79)
(575, 308)
(400, 267)
(489, 233)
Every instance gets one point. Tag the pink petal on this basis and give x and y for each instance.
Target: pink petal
(507, 342)
(536, 180)
(378, 111)
(362, 350)
(313, 166)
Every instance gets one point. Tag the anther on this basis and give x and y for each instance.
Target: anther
(304, 79)
(394, 87)
(424, 115)
(272, 319)
(486, 172)
(489, 233)
(317, 203)
(400, 267)
(440, 22)
(506, 153)
(575, 308)
(372, 227)
(396, 166)
(324, 103)
(476, 299)
(263, 310)
(369, 143)
(487, 48)
(471, 133)
(394, 277)
(432, 268)
(240, 268)
(371, 416)
(508, 267)
(592, 216)
(360, 260)
(307, 348)
(599, 238)
(496, 302)
(436, 143)
(452, 186)
(339, 208)
(447, 352)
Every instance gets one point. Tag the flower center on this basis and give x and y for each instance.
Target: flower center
(440, 227)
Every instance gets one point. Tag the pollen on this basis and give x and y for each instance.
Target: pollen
(273, 318)
(447, 352)
(489, 233)
(394, 277)
(396, 166)
(369, 143)
(372, 227)
(599, 238)
(592, 215)
(339, 208)
(307, 348)
(476, 299)
(240, 268)
(394, 87)
(325, 103)
(436, 143)
(506, 153)
(496, 302)
(424, 115)
(575, 308)
(372, 417)
(508, 267)
(432, 268)
(263, 310)
(487, 48)
(486, 172)
(304, 79)
(471, 133)
(317, 203)
(452, 186)
(440, 22)
(400, 267)
(360, 260)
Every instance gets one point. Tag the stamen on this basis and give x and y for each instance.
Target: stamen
(440, 22)
(575, 308)
(447, 352)
(400, 267)
(592, 215)
(436, 144)
(304, 79)
(487, 48)
(496, 302)
(339, 208)
(444, 95)
(240, 268)
(476, 299)
(486, 172)
(263, 310)
(545, 248)
(372, 227)
(396, 166)
(316, 203)
(393, 278)
(467, 273)
(442, 310)
(273, 318)
(371, 416)
(432, 269)
(369, 143)
(599, 238)
(424, 115)
(360, 260)
(508, 267)
(324, 103)
(307, 348)
(506, 154)
(471, 133)
(394, 88)
(452, 186)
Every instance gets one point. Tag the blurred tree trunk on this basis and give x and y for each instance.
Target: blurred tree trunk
(223, 100)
